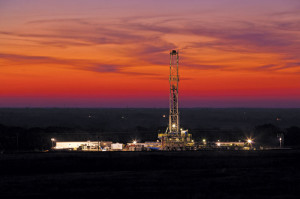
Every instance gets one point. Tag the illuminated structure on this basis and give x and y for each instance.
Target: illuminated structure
(175, 138)
(87, 146)
(173, 80)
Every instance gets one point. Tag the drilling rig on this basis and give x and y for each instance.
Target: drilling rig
(175, 138)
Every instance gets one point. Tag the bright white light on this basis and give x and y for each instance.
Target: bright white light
(204, 140)
(173, 125)
(249, 141)
(52, 139)
(134, 141)
(280, 139)
(218, 144)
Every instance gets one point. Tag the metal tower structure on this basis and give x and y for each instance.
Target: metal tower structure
(174, 128)
(175, 138)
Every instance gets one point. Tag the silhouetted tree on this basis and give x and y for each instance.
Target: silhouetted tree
(266, 135)
(292, 136)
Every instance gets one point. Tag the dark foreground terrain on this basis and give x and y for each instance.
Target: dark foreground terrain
(199, 174)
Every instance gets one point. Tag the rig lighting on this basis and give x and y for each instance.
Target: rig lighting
(280, 140)
(52, 142)
(134, 142)
(249, 141)
(173, 125)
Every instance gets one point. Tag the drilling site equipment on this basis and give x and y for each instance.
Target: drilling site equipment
(175, 138)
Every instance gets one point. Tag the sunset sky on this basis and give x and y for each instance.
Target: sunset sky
(93, 53)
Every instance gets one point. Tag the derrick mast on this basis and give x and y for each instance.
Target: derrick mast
(174, 128)
(175, 138)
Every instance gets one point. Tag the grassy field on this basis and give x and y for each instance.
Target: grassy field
(199, 174)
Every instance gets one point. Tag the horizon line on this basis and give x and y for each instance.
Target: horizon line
(59, 107)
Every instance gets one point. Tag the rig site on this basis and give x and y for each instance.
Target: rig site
(148, 99)
(175, 138)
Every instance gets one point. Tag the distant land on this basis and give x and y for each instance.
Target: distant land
(124, 119)
(34, 127)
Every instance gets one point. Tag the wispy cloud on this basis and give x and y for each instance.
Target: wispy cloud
(80, 64)
(148, 37)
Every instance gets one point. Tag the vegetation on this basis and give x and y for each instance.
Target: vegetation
(32, 129)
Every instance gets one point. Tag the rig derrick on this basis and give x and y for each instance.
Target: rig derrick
(175, 138)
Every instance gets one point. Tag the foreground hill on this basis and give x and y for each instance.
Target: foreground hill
(202, 174)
